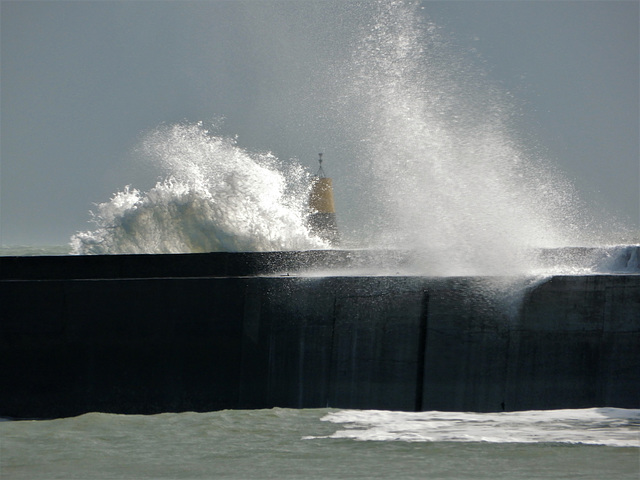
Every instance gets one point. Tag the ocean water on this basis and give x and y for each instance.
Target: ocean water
(593, 444)
(31, 250)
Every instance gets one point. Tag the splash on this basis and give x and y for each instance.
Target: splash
(430, 160)
(215, 196)
(447, 175)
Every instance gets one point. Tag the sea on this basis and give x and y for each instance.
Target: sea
(594, 443)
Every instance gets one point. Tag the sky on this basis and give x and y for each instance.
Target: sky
(80, 83)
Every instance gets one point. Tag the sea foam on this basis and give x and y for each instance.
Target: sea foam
(612, 427)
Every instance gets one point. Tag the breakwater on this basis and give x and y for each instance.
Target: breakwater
(149, 334)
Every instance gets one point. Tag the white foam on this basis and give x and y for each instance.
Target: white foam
(594, 426)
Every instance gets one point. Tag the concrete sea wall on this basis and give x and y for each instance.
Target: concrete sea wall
(70, 343)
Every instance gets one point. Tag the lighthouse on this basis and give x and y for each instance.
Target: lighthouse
(322, 212)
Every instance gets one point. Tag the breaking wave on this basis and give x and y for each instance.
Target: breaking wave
(214, 196)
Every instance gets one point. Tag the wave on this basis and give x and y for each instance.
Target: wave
(215, 196)
(606, 426)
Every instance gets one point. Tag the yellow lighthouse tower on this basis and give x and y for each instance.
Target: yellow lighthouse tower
(322, 212)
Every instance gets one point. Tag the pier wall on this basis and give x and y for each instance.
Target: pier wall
(157, 344)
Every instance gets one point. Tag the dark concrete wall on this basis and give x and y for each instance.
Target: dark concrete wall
(215, 264)
(403, 343)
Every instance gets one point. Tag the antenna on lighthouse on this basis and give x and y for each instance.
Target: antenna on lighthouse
(320, 173)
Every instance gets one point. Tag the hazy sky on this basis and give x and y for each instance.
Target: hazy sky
(81, 81)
